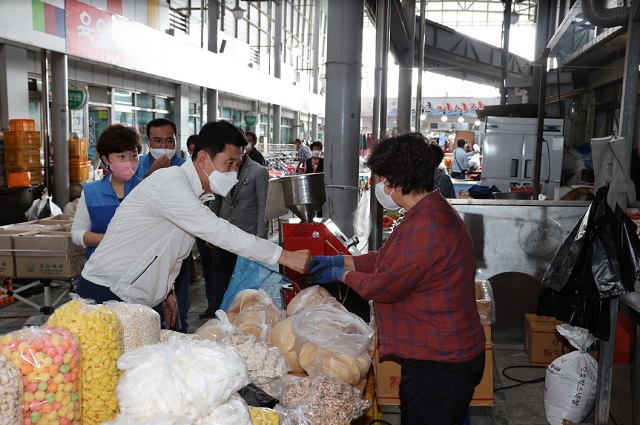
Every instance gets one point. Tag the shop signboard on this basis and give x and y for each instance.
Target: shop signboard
(78, 95)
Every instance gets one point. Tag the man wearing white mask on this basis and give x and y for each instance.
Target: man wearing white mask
(161, 138)
(153, 229)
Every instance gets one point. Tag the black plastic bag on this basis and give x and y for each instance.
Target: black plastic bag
(599, 260)
(483, 192)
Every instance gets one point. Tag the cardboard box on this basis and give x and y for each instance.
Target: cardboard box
(33, 226)
(387, 372)
(48, 255)
(542, 342)
(7, 256)
(58, 223)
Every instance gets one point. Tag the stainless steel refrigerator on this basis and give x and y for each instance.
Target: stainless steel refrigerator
(508, 153)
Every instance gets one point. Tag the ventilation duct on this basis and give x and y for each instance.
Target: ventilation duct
(596, 13)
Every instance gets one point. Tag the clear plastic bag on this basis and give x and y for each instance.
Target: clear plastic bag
(312, 296)
(100, 335)
(258, 319)
(234, 411)
(48, 361)
(10, 394)
(140, 324)
(334, 330)
(320, 400)
(282, 336)
(216, 329)
(486, 303)
(266, 416)
(246, 299)
(187, 378)
(264, 362)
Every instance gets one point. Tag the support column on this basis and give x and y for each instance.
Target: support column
(277, 68)
(60, 127)
(504, 59)
(342, 110)
(212, 94)
(383, 14)
(405, 75)
(544, 25)
(181, 116)
(313, 131)
(14, 92)
(421, 41)
(297, 132)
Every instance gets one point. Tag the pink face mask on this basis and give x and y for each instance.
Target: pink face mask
(124, 170)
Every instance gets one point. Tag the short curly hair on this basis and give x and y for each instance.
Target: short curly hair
(316, 144)
(118, 138)
(406, 161)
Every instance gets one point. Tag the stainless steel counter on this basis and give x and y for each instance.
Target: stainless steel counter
(514, 242)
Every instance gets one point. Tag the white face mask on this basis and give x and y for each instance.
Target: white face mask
(221, 183)
(248, 147)
(385, 200)
(316, 154)
(158, 153)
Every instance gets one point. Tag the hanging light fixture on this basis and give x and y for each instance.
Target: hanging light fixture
(444, 117)
(237, 12)
(515, 17)
(477, 123)
(460, 118)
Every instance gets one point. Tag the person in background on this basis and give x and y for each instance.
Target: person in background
(118, 149)
(315, 164)
(244, 207)
(441, 180)
(161, 136)
(153, 229)
(302, 154)
(251, 151)
(423, 284)
(191, 143)
(75, 192)
(460, 160)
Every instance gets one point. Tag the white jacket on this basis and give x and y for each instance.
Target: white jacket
(153, 231)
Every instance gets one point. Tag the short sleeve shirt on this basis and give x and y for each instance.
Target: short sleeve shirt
(304, 152)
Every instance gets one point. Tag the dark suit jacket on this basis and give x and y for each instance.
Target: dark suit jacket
(245, 205)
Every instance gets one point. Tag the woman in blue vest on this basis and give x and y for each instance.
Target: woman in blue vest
(118, 147)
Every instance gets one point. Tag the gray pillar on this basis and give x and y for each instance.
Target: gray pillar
(277, 67)
(255, 107)
(406, 69)
(14, 90)
(314, 127)
(630, 81)
(212, 95)
(297, 132)
(504, 57)
(383, 14)
(342, 110)
(316, 64)
(543, 29)
(60, 127)
(277, 120)
(421, 40)
(181, 115)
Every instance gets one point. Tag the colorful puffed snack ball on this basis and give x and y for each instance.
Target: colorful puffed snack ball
(100, 336)
(10, 394)
(48, 361)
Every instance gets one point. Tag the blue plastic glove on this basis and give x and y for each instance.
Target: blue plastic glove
(321, 261)
(327, 275)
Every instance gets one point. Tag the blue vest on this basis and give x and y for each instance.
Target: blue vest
(102, 202)
(145, 162)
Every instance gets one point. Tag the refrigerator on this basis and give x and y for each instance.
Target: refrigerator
(509, 148)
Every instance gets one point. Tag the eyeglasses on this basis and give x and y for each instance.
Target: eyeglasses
(167, 141)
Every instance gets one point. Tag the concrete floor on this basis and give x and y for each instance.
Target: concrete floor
(514, 406)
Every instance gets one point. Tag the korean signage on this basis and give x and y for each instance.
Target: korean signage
(78, 95)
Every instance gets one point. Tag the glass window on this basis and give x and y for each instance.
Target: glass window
(144, 101)
(226, 113)
(163, 103)
(143, 117)
(124, 116)
(123, 97)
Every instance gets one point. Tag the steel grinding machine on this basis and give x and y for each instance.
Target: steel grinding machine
(304, 195)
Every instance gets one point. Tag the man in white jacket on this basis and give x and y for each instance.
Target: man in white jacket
(154, 227)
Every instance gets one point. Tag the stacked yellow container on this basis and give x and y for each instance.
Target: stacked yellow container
(79, 164)
(22, 149)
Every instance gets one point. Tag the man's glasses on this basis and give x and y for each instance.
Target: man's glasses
(167, 141)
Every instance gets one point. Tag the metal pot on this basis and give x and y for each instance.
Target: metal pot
(304, 194)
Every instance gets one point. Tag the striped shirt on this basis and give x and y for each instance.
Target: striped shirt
(423, 285)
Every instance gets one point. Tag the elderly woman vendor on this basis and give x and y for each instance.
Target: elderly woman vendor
(422, 282)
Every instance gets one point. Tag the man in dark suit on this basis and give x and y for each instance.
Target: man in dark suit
(245, 208)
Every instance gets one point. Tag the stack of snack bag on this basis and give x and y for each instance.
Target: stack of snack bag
(100, 335)
(320, 338)
(10, 394)
(140, 324)
(48, 360)
(182, 382)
